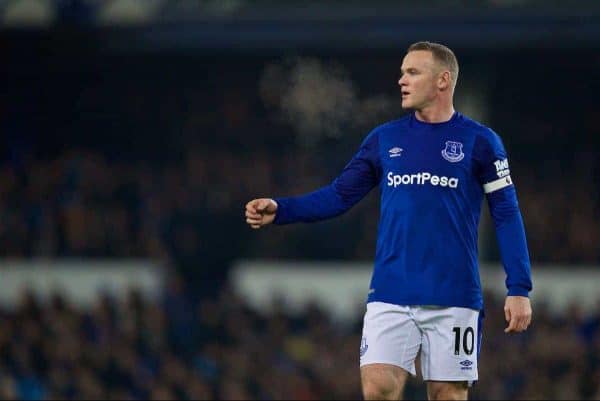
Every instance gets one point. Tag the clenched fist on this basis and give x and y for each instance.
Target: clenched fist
(260, 212)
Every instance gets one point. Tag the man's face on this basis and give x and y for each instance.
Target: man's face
(418, 80)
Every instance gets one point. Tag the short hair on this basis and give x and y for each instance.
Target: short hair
(441, 54)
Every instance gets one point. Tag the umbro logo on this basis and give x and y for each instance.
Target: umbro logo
(395, 151)
(363, 346)
(466, 365)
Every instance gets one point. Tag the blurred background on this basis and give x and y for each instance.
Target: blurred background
(133, 132)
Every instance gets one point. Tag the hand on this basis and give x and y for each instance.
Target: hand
(517, 311)
(260, 212)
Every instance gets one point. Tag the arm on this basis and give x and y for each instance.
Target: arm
(510, 234)
(494, 174)
(358, 177)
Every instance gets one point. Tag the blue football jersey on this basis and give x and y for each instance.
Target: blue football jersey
(432, 178)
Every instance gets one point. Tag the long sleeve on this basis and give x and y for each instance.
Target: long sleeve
(355, 181)
(510, 233)
(494, 175)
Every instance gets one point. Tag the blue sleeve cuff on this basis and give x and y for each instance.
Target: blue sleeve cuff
(518, 291)
(280, 214)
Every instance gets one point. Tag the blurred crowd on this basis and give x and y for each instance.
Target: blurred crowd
(83, 204)
(179, 347)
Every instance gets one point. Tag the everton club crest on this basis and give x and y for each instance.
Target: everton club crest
(453, 151)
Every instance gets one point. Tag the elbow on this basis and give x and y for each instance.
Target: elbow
(505, 214)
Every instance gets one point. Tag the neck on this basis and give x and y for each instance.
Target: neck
(435, 114)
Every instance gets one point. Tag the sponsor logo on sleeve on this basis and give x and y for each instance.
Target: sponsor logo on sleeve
(502, 168)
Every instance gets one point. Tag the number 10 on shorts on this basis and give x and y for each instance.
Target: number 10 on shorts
(467, 340)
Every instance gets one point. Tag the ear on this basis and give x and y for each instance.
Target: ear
(444, 81)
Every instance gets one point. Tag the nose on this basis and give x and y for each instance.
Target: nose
(401, 80)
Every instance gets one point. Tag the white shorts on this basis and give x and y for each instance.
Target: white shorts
(448, 338)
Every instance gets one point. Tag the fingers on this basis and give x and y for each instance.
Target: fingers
(523, 323)
(512, 326)
(257, 205)
(266, 205)
(254, 220)
(260, 212)
(261, 205)
(518, 324)
(253, 216)
(253, 223)
(251, 206)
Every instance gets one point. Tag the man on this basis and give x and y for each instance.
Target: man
(433, 167)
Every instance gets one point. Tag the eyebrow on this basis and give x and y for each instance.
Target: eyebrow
(408, 69)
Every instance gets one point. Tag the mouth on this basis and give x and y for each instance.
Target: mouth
(405, 94)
